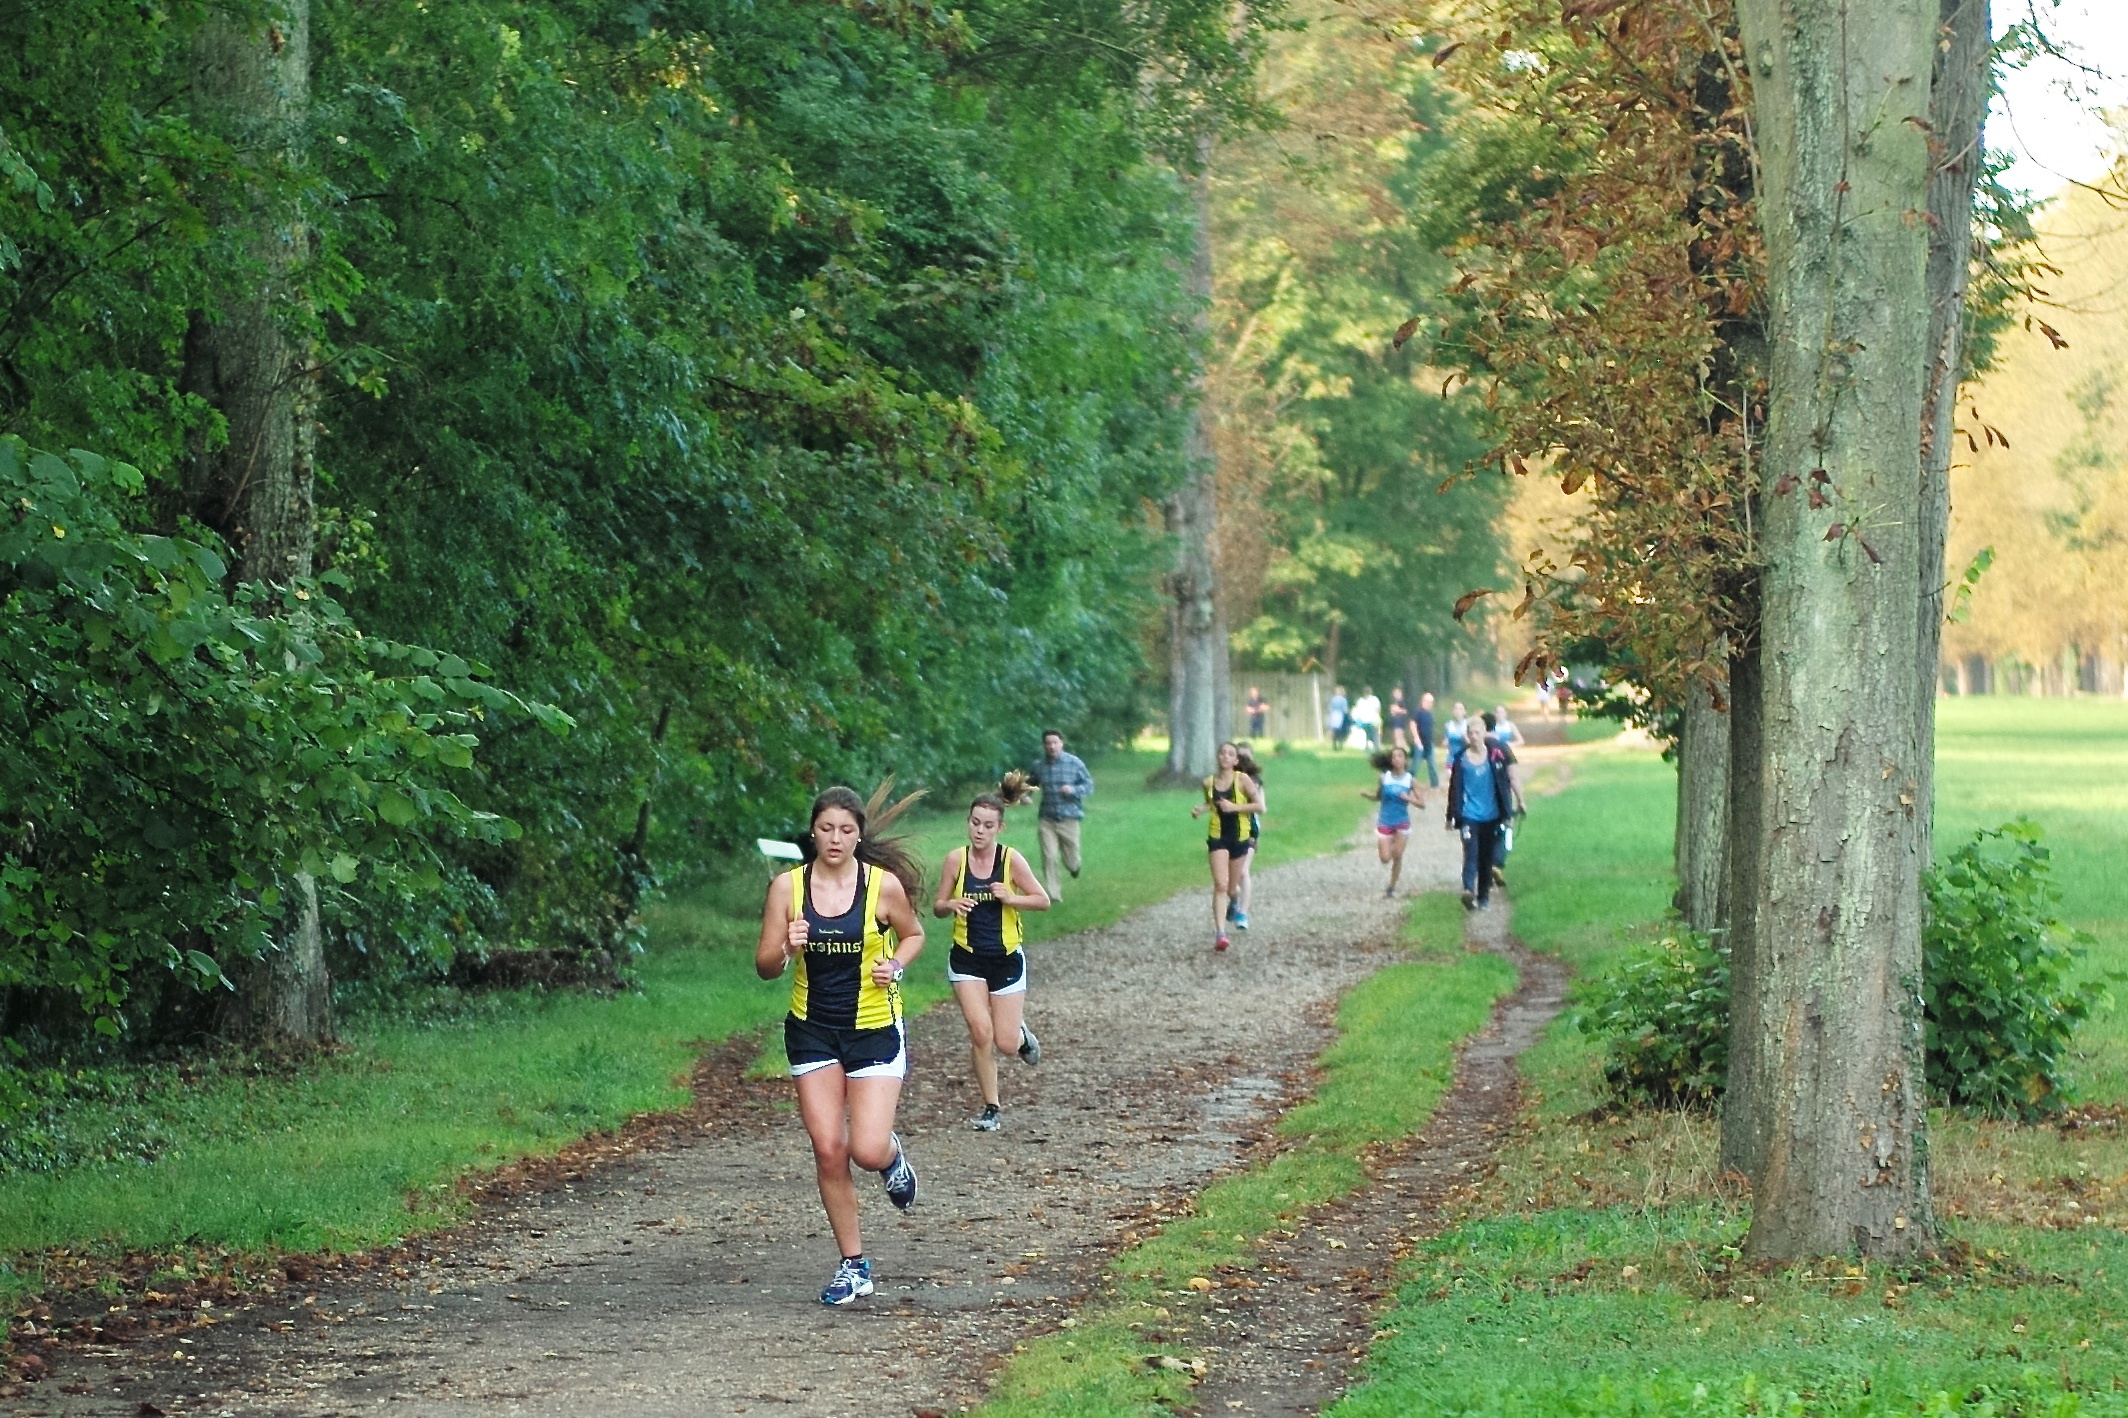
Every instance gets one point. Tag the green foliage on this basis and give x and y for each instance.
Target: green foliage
(1662, 1014)
(1999, 1003)
(776, 388)
(2000, 1006)
(1336, 443)
(181, 761)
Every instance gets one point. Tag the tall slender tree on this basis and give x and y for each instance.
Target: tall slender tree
(251, 474)
(1199, 698)
(1841, 103)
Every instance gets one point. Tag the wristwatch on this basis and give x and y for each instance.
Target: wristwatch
(899, 970)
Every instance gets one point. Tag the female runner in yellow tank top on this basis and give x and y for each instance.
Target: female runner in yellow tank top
(983, 887)
(845, 918)
(1234, 800)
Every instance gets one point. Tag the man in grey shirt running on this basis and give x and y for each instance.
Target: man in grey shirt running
(1065, 785)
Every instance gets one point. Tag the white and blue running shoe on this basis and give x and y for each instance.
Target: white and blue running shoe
(853, 1281)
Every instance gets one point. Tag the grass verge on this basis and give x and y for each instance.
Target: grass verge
(1391, 1063)
(1598, 1275)
(365, 1147)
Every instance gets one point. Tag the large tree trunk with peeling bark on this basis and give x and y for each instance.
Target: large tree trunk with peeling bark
(251, 86)
(1199, 691)
(1840, 97)
(1702, 839)
(1958, 102)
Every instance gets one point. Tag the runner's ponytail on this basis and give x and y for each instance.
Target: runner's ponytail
(889, 854)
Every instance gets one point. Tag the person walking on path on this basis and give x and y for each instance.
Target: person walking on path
(1337, 716)
(1397, 792)
(1065, 786)
(1399, 720)
(1232, 798)
(1482, 798)
(845, 918)
(1422, 724)
(1259, 710)
(1367, 716)
(983, 887)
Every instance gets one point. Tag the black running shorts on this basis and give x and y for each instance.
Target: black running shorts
(863, 1053)
(1005, 974)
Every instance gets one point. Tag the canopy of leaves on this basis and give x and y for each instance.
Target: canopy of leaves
(1338, 542)
(777, 389)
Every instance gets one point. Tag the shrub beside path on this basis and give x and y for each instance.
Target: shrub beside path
(683, 1280)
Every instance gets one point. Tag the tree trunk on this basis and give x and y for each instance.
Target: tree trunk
(1744, 1105)
(1840, 94)
(1199, 695)
(1702, 843)
(1958, 102)
(251, 86)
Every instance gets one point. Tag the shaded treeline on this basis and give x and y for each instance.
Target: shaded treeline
(779, 391)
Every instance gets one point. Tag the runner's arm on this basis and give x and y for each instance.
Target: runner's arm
(946, 903)
(908, 929)
(781, 937)
(1028, 894)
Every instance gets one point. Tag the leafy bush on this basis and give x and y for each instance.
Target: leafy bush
(1997, 1002)
(1995, 980)
(180, 756)
(1662, 1016)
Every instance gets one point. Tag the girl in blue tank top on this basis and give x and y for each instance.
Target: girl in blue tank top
(1397, 792)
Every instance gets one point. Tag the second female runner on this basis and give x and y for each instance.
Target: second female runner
(1396, 792)
(984, 886)
(845, 918)
(1233, 798)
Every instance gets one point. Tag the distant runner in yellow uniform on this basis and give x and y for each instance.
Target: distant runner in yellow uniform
(984, 887)
(845, 918)
(1233, 799)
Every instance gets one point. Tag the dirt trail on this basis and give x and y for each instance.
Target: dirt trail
(684, 1281)
(1292, 1344)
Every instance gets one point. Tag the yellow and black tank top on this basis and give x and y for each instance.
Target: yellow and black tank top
(833, 984)
(992, 928)
(1227, 829)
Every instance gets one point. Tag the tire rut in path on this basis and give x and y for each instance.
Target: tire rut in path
(1293, 1343)
(684, 1280)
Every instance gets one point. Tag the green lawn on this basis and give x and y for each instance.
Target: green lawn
(364, 1148)
(1597, 1275)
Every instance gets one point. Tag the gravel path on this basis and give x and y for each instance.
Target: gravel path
(684, 1280)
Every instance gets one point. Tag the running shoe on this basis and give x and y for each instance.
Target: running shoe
(853, 1281)
(1389, 891)
(1499, 877)
(1240, 920)
(1221, 942)
(900, 1178)
(1233, 910)
(1030, 1047)
(990, 1121)
(1470, 902)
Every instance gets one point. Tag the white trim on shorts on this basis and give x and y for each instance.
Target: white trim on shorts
(1017, 987)
(896, 1067)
